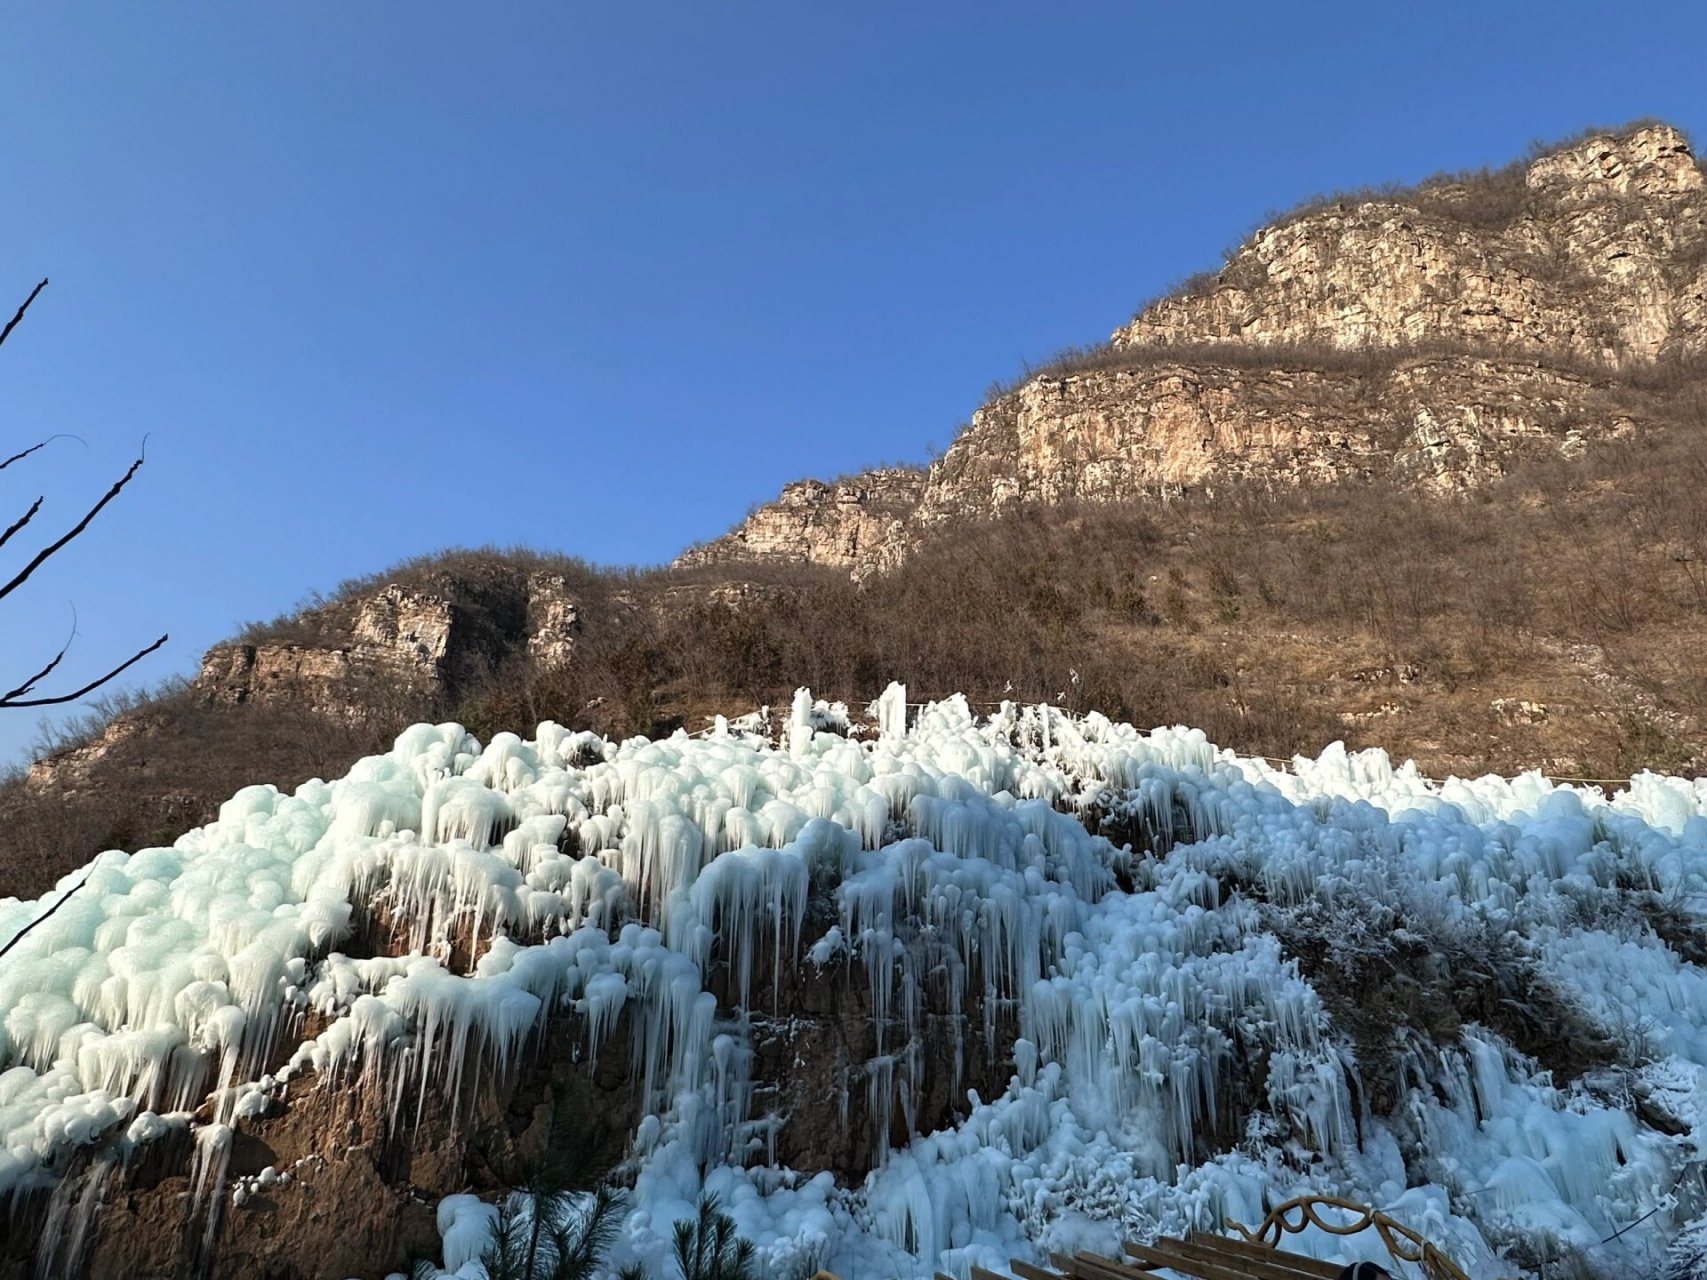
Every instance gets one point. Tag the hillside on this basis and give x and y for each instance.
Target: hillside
(497, 853)
(1438, 335)
(1170, 529)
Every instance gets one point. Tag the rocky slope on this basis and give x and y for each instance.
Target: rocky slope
(1441, 334)
(843, 523)
(1535, 496)
(1596, 250)
(429, 639)
(414, 643)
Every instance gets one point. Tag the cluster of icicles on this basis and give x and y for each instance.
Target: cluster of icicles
(597, 879)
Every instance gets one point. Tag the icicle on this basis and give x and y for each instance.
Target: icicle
(890, 711)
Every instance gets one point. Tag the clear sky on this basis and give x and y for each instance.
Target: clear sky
(375, 279)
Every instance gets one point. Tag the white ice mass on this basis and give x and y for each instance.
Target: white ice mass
(1137, 974)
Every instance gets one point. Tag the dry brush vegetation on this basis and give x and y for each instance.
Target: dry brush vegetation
(1547, 619)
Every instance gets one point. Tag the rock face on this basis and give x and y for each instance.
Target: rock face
(1437, 336)
(843, 523)
(1443, 422)
(554, 620)
(404, 637)
(1594, 251)
(362, 1184)
(391, 647)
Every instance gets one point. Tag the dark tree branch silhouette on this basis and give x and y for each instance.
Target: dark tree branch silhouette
(7, 333)
(20, 696)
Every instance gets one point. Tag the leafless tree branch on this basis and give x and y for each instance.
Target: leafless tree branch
(13, 322)
(18, 697)
(20, 522)
(63, 435)
(41, 556)
(30, 684)
(19, 457)
(63, 899)
(129, 662)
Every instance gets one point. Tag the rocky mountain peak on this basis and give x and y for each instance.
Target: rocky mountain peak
(1591, 251)
(1434, 334)
(1648, 160)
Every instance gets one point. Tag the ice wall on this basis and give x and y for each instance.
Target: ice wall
(565, 876)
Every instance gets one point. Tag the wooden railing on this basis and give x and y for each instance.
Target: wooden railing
(1402, 1243)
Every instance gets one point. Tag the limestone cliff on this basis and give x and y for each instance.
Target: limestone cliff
(1597, 250)
(424, 638)
(842, 523)
(1102, 435)
(385, 646)
(1435, 335)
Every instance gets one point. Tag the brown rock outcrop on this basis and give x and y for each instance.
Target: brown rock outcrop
(1593, 251)
(396, 632)
(1442, 422)
(1436, 336)
(553, 621)
(396, 650)
(843, 523)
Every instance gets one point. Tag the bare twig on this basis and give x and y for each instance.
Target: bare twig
(13, 322)
(58, 435)
(20, 522)
(1639, 1221)
(42, 555)
(63, 899)
(17, 696)
(45, 672)
(19, 457)
(129, 662)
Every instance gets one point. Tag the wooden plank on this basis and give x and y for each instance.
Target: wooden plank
(979, 1273)
(1116, 1268)
(1112, 1269)
(1177, 1259)
(1264, 1252)
(1073, 1267)
(1276, 1266)
(1027, 1271)
(1087, 1266)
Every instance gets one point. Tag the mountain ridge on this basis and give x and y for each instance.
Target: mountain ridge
(1122, 523)
(986, 971)
(1596, 269)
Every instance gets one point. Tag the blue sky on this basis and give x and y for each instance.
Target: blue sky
(375, 279)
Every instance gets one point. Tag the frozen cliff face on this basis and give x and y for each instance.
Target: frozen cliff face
(911, 996)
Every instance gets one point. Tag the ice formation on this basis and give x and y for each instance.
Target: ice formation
(570, 877)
